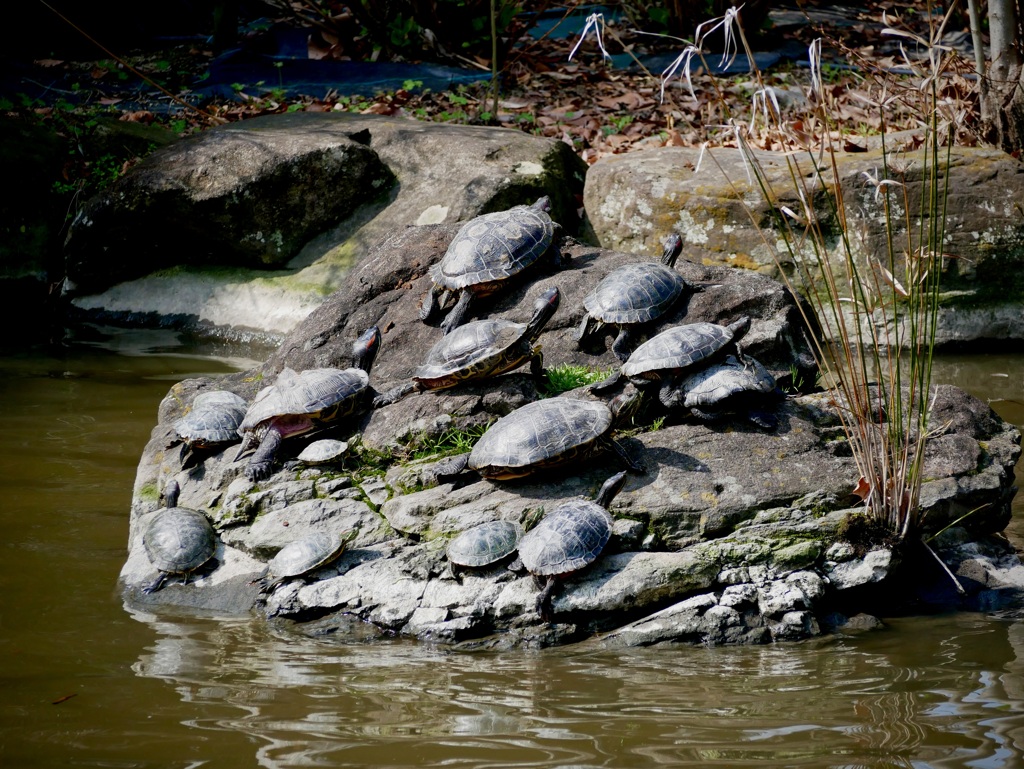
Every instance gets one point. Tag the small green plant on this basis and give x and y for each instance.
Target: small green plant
(569, 376)
(452, 441)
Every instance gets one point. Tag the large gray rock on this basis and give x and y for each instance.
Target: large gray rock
(247, 227)
(735, 534)
(633, 200)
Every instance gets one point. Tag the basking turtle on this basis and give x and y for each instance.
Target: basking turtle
(543, 434)
(300, 402)
(676, 352)
(568, 538)
(478, 350)
(299, 558)
(323, 452)
(484, 544)
(178, 540)
(211, 422)
(730, 387)
(633, 294)
(487, 251)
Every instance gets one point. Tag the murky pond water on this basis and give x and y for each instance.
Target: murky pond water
(83, 682)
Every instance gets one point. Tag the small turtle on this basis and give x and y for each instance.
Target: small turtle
(676, 352)
(544, 434)
(487, 251)
(211, 422)
(730, 387)
(323, 452)
(633, 294)
(568, 538)
(177, 540)
(300, 402)
(301, 557)
(481, 349)
(484, 544)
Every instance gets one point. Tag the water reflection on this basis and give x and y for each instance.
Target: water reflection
(884, 699)
(178, 691)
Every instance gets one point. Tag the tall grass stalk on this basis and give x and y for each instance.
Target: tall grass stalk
(878, 310)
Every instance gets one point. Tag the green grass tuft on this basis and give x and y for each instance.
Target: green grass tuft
(569, 376)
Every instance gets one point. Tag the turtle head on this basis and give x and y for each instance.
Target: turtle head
(610, 488)
(543, 310)
(673, 247)
(543, 204)
(625, 405)
(171, 492)
(250, 440)
(365, 349)
(739, 327)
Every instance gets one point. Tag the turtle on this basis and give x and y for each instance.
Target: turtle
(568, 538)
(543, 434)
(323, 452)
(177, 540)
(299, 402)
(480, 349)
(487, 251)
(483, 545)
(730, 386)
(211, 422)
(633, 294)
(300, 557)
(676, 352)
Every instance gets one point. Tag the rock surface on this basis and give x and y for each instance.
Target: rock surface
(735, 534)
(249, 226)
(635, 199)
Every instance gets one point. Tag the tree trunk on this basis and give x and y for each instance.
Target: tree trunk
(1002, 86)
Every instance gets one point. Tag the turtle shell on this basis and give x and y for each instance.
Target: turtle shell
(634, 293)
(304, 555)
(213, 418)
(567, 539)
(323, 451)
(540, 434)
(470, 350)
(319, 393)
(494, 247)
(179, 540)
(716, 384)
(679, 347)
(484, 544)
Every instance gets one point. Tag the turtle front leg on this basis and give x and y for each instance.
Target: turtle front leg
(622, 343)
(587, 327)
(395, 394)
(608, 383)
(262, 463)
(631, 464)
(458, 313)
(537, 367)
(156, 584)
(451, 468)
(555, 255)
(544, 608)
(428, 305)
(671, 394)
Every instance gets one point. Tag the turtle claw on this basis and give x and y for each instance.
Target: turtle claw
(458, 313)
(259, 471)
